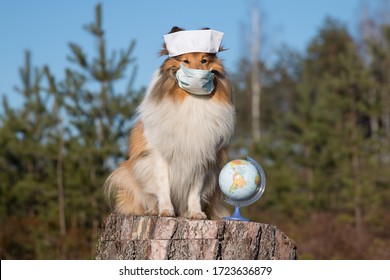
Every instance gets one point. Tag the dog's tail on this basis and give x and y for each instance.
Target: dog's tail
(216, 209)
(121, 189)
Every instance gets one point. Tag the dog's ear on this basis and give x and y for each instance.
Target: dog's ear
(175, 29)
(221, 49)
(164, 50)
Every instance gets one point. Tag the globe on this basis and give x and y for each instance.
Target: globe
(243, 182)
(239, 179)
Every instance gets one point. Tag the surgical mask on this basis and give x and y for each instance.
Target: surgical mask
(195, 81)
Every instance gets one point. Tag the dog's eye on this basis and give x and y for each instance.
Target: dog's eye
(203, 61)
(186, 61)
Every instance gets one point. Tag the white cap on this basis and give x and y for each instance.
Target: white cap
(188, 41)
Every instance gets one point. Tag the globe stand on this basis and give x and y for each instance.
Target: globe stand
(236, 216)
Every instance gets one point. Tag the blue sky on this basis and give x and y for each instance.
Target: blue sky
(46, 27)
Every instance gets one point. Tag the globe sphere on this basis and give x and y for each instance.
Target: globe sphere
(239, 180)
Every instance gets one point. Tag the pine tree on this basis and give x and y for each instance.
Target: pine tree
(27, 169)
(59, 148)
(330, 126)
(317, 147)
(98, 120)
(378, 100)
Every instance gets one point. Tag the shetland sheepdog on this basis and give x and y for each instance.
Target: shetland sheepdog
(177, 146)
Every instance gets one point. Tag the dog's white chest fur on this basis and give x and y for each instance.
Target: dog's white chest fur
(190, 130)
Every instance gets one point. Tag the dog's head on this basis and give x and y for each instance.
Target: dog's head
(194, 60)
(167, 84)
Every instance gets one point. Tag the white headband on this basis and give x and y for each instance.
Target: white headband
(188, 41)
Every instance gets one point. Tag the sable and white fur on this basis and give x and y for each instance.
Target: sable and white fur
(177, 147)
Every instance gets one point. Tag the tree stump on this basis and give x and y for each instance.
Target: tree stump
(162, 238)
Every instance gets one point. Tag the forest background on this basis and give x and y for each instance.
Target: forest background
(318, 121)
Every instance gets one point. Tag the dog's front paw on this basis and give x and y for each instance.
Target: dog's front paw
(151, 212)
(197, 216)
(166, 213)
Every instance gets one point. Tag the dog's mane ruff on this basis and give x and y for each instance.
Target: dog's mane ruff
(164, 85)
(153, 81)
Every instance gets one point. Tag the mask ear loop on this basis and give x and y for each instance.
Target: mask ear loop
(211, 71)
(172, 74)
(172, 70)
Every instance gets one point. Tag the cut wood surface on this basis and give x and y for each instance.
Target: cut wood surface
(162, 238)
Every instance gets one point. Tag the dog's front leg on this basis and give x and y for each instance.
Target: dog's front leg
(163, 193)
(194, 200)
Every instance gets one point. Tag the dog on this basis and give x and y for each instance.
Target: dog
(178, 144)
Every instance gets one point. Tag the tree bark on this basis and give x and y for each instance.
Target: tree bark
(162, 238)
